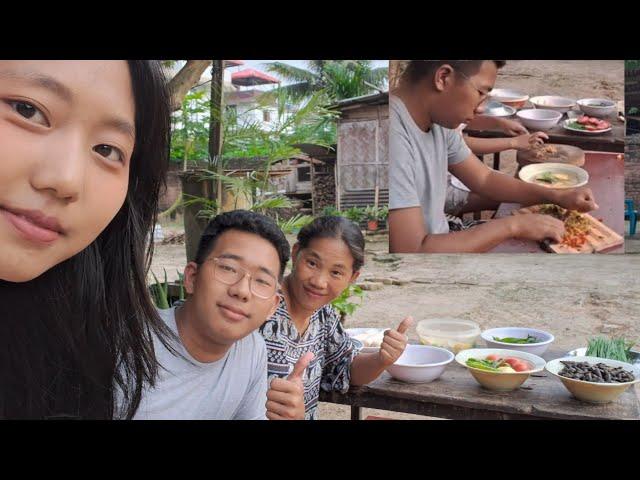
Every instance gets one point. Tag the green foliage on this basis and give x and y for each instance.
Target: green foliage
(340, 79)
(294, 224)
(246, 138)
(190, 129)
(160, 291)
(342, 303)
(384, 212)
(355, 214)
(331, 211)
(376, 213)
(631, 64)
(272, 203)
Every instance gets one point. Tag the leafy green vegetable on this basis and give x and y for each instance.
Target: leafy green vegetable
(546, 177)
(577, 125)
(611, 348)
(529, 339)
(491, 366)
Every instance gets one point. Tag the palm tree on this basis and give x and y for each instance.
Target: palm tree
(340, 79)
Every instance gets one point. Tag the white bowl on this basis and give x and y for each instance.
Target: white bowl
(590, 106)
(367, 337)
(530, 172)
(552, 102)
(420, 364)
(539, 119)
(497, 109)
(539, 348)
(500, 381)
(591, 391)
(509, 97)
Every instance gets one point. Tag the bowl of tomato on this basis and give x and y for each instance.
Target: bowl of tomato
(499, 369)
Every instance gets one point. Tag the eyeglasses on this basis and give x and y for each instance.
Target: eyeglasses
(482, 93)
(230, 272)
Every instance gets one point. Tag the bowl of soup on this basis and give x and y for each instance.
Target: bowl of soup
(554, 175)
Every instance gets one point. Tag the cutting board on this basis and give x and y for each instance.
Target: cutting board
(564, 154)
(600, 236)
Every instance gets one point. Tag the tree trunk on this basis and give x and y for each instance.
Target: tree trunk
(215, 122)
(185, 80)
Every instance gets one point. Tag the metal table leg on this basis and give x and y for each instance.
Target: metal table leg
(355, 413)
(496, 161)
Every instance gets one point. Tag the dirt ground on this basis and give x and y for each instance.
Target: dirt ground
(574, 297)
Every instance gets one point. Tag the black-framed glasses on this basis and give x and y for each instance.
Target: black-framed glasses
(482, 93)
(230, 272)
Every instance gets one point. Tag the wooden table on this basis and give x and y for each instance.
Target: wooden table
(606, 180)
(457, 395)
(612, 141)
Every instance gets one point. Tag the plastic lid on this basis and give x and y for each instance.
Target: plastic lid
(448, 326)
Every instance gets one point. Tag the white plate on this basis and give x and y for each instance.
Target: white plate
(565, 125)
(528, 173)
(502, 95)
(356, 332)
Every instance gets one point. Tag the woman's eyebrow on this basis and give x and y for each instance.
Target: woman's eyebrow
(41, 80)
(122, 126)
(51, 84)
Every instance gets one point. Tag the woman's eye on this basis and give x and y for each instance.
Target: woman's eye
(109, 153)
(336, 273)
(29, 112)
(311, 263)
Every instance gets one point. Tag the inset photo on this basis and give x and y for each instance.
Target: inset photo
(523, 156)
(632, 155)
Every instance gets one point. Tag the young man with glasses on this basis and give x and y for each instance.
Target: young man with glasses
(217, 366)
(433, 99)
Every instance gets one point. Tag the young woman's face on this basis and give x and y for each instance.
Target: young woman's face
(321, 272)
(66, 139)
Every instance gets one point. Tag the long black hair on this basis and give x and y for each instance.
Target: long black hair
(78, 340)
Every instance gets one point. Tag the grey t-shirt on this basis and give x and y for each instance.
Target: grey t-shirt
(232, 388)
(418, 165)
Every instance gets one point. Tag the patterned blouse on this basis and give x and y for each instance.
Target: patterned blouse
(333, 348)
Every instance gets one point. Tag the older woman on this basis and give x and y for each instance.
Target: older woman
(305, 332)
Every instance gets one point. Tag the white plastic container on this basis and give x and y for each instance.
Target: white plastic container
(158, 234)
(453, 334)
